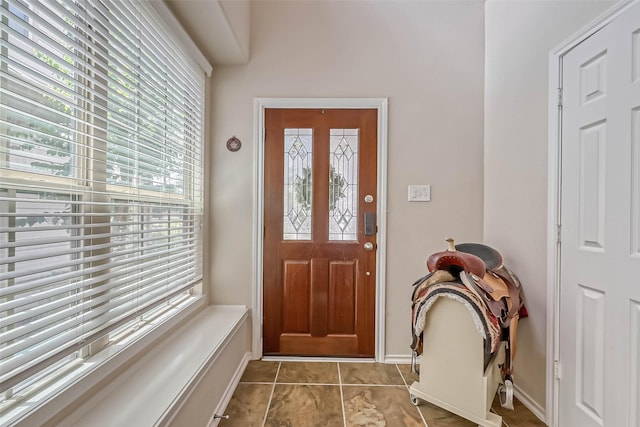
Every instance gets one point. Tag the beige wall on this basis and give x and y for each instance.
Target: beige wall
(427, 58)
(519, 36)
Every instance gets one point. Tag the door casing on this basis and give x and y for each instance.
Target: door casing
(555, 202)
(260, 104)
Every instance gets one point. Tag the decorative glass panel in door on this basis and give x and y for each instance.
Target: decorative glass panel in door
(298, 184)
(343, 184)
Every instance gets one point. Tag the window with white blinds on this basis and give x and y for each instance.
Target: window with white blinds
(100, 176)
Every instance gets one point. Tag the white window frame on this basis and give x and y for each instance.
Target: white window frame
(86, 373)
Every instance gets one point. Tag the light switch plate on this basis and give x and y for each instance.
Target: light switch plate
(419, 193)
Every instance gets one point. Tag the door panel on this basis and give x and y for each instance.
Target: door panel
(600, 264)
(319, 280)
(342, 287)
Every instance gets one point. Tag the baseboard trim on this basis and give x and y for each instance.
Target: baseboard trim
(531, 404)
(231, 388)
(401, 359)
(318, 359)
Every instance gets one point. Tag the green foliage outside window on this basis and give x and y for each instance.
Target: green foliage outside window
(337, 187)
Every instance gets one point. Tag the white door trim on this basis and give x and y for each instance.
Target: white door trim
(555, 202)
(260, 104)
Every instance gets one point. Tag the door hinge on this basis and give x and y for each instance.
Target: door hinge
(558, 233)
(556, 369)
(560, 97)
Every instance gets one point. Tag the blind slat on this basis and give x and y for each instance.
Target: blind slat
(101, 184)
(112, 296)
(118, 275)
(53, 352)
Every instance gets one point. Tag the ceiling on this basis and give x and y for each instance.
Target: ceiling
(220, 28)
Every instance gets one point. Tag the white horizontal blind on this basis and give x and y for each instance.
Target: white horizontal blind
(100, 174)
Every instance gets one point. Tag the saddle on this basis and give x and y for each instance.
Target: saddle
(480, 268)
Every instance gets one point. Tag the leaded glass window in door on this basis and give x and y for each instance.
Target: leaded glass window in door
(298, 184)
(343, 184)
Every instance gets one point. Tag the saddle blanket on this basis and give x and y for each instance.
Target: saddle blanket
(486, 324)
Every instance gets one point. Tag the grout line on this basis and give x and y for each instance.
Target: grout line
(344, 413)
(503, 421)
(421, 416)
(496, 412)
(407, 386)
(375, 385)
(264, 420)
(256, 382)
(301, 383)
(402, 376)
(337, 384)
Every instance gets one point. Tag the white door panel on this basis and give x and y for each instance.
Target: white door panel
(600, 217)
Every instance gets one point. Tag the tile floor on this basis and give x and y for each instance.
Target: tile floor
(310, 394)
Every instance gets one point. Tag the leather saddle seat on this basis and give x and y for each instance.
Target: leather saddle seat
(455, 262)
(491, 257)
(481, 269)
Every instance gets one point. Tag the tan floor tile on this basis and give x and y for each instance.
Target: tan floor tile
(310, 405)
(260, 371)
(520, 416)
(305, 406)
(438, 417)
(409, 377)
(375, 406)
(370, 373)
(308, 372)
(248, 406)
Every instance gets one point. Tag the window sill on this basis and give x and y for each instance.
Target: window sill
(137, 383)
(152, 390)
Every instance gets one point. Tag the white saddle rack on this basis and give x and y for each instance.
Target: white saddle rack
(452, 366)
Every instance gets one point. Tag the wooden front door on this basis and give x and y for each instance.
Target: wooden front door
(320, 232)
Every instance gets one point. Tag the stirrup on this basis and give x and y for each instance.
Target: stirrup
(505, 393)
(414, 364)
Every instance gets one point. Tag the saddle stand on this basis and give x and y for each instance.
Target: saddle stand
(465, 314)
(452, 371)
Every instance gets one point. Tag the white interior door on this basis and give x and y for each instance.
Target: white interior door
(600, 217)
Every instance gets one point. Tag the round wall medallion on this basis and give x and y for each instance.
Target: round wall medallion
(233, 144)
